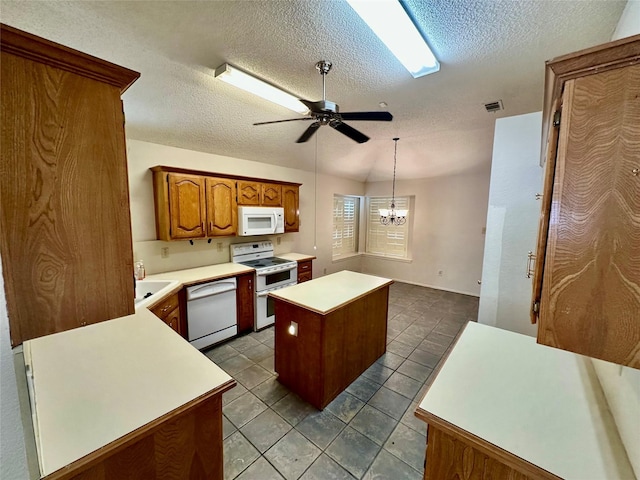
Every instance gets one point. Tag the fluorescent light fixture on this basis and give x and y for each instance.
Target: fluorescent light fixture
(391, 23)
(258, 87)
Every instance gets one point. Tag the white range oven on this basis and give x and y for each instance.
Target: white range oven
(272, 273)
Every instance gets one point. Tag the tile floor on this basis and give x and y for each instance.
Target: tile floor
(369, 431)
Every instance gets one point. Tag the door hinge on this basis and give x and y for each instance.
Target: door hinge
(556, 118)
(536, 306)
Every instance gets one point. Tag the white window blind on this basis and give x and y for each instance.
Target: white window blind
(387, 240)
(345, 225)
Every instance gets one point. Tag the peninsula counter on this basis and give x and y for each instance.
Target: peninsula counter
(328, 331)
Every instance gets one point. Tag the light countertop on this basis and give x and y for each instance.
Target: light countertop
(539, 403)
(325, 294)
(202, 274)
(93, 385)
(296, 257)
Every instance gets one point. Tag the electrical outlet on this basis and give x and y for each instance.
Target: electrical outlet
(325, 271)
(440, 273)
(164, 252)
(484, 230)
(219, 246)
(278, 240)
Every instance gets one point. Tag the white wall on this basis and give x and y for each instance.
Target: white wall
(13, 459)
(448, 218)
(315, 218)
(512, 223)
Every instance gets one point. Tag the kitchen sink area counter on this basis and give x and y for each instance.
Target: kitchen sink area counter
(115, 392)
(193, 276)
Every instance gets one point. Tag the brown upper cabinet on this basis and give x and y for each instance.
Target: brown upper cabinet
(192, 204)
(586, 295)
(253, 193)
(65, 229)
(291, 204)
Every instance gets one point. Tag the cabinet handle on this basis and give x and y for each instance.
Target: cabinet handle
(530, 259)
(538, 196)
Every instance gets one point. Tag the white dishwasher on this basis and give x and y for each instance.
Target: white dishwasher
(211, 312)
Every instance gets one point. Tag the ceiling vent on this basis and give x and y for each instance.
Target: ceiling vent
(494, 106)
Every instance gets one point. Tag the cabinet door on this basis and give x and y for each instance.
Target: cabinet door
(222, 210)
(591, 283)
(249, 193)
(187, 206)
(271, 195)
(173, 320)
(291, 208)
(245, 302)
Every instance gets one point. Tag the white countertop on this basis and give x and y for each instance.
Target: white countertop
(324, 294)
(296, 257)
(202, 274)
(94, 384)
(541, 404)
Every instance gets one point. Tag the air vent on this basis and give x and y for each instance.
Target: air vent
(493, 106)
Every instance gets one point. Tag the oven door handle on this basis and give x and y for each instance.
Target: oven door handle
(262, 294)
(264, 274)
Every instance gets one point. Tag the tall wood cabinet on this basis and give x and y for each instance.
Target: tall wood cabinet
(291, 202)
(65, 222)
(587, 280)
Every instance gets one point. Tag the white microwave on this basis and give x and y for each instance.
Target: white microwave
(260, 221)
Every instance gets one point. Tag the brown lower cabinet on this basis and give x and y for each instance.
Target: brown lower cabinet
(170, 311)
(451, 458)
(305, 271)
(245, 302)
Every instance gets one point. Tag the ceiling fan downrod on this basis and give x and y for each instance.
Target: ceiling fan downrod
(323, 67)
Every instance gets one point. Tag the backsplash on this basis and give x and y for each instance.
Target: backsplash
(183, 255)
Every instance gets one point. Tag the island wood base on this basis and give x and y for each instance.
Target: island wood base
(330, 350)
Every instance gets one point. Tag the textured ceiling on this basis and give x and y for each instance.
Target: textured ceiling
(488, 50)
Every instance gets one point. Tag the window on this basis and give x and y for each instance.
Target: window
(387, 240)
(345, 225)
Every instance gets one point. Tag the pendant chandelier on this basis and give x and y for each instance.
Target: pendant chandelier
(392, 216)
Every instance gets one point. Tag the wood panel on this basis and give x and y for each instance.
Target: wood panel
(65, 219)
(451, 459)
(185, 444)
(245, 302)
(222, 209)
(291, 204)
(249, 193)
(591, 290)
(187, 206)
(272, 194)
(332, 350)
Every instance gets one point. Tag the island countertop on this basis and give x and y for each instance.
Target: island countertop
(92, 385)
(538, 403)
(325, 294)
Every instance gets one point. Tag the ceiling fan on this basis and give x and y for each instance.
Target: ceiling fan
(324, 112)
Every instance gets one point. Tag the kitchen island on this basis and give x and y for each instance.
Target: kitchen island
(328, 331)
(125, 398)
(503, 406)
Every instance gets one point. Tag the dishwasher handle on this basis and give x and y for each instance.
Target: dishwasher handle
(209, 289)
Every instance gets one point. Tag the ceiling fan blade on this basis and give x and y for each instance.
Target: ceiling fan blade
(308, 133)
(350, 132)
(373, 116)
(287, 120)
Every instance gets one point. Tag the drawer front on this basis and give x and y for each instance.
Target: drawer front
(304, 277)
(163, 309)
(304, 267)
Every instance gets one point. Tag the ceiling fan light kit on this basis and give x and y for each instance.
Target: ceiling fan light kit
(324, 112)
(251, 84)
(392, 216)
(389, 20)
